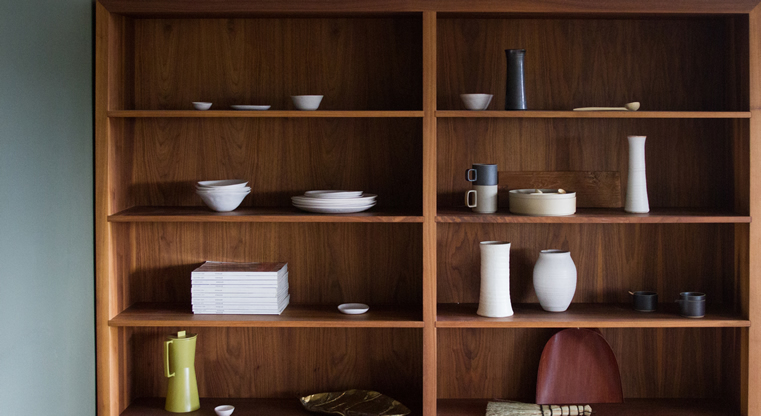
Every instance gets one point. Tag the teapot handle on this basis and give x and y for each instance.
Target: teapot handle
(166, 359)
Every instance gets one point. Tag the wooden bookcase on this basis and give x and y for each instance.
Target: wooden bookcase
(391, 123)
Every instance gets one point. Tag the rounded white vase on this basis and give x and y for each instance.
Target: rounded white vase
(555, 280)
(495, 280)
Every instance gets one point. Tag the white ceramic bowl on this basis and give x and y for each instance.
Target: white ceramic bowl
(225, 183)
(223, 202)
(476, 102)
(353, 308)
(549, 203)
(224, 410)
(306, 102)
(198, 105)
(223, 190)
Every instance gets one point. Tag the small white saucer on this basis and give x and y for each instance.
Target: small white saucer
(353, 308)
(251, 107)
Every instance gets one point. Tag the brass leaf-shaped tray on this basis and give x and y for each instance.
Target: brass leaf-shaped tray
(354, 403)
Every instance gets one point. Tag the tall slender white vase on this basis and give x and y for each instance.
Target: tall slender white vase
(636, 187)
(555, 280)
(495, 280)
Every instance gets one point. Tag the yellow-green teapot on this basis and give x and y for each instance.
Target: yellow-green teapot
(179, 368)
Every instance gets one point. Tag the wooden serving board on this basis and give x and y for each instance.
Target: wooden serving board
(593, 189)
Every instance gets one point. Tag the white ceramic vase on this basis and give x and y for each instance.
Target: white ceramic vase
(636, 187)
(555, 280)
(495, 280)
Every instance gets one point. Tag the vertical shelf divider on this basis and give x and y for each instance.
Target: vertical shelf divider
(751, 358)
(429, 214)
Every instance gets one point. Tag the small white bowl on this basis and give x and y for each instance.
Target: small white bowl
(476, 102)
(225, 183)
(333, 194)
(224, 410)
(307, 102)
(353, 308)
(223, 202)
(198, 105)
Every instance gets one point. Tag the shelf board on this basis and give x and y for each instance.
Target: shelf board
(270, 407)
(587, 315)
(631, 407)
(279, 214)
(597, 216)
(260, 114)
(300, 316)
(592, 114)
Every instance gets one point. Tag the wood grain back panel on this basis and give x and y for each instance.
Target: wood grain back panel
(279, 157)
(593, 189)
(327, 263)
(286, 362)
(357, 64)
(689, 162)
(503, 363)
(666, 64)
(610, 259)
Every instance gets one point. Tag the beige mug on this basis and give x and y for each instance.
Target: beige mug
(484, 199)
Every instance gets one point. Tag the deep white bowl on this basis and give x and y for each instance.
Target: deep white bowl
(223, 190)
(224, 410)
(225, 183)
(199, 105)
(307, 102)
(476, 102)
(223, 202)
(549, 203)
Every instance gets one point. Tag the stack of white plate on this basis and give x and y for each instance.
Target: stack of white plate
(222, 196)
(334, 202)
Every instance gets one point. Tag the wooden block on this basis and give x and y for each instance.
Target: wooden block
(593, 189)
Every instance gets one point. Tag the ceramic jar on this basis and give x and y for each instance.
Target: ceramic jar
(555, 280)
(495, 280)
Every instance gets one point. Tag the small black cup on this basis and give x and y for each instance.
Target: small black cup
(483, 174)
(644, 301)
(692, 304)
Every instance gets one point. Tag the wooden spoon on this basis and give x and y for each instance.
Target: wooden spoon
(627, 107)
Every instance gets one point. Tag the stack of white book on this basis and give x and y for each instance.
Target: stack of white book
(240, 288)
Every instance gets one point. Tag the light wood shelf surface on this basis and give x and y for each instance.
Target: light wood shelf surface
(591, 114)
(299, 316)
(586, 315)
(630, 407)
(596, 216)
(260, 114)
(285, 214)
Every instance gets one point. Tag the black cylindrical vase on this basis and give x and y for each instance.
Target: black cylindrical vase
(515, 92)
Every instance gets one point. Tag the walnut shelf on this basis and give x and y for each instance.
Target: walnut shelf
(597, 216)
(244, 407)
(286, 214)
(298, 316)
(591, 114)
(260, 114)
(586, 315)
(630, 407)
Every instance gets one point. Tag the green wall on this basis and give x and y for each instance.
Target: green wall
(47, 335)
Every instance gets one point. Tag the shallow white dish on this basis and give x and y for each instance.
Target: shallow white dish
(307, 102)
(476, 102)
(549, 203)
(333, 194)
(353, 308)
(224, 410)
(334, 210)
(251, 107)
(199, 105)
(224, 201)
(334, 203)
(225, 183)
